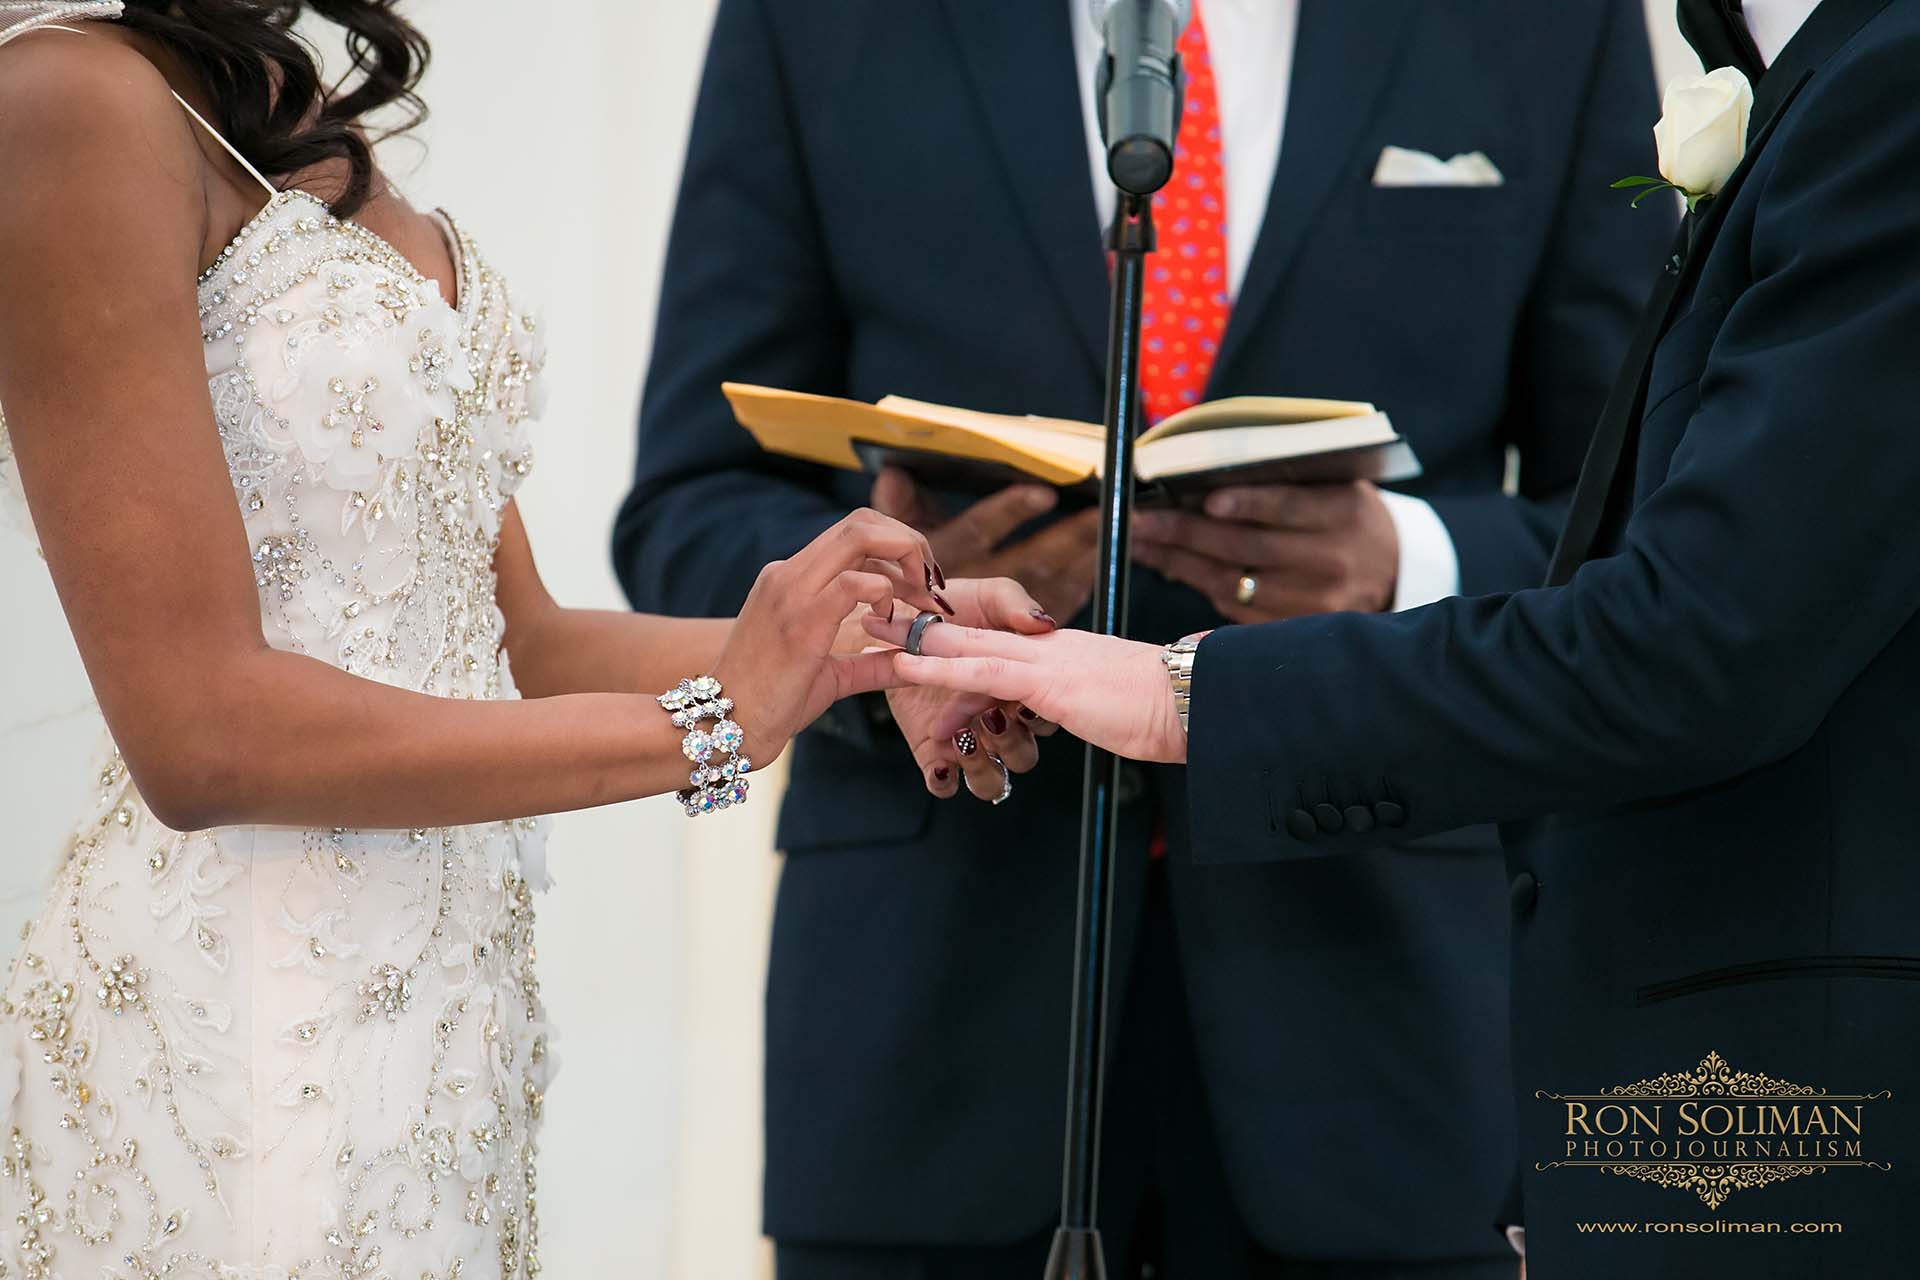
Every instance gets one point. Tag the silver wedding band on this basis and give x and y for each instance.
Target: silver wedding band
(917, 630)
(1243, 590)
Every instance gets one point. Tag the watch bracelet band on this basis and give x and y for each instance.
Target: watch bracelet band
(1179, 657)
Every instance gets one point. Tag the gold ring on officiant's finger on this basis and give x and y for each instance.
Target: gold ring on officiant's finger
(1243, 590)
(917, 629)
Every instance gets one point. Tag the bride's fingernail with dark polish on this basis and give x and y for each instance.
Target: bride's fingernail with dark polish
(995, 721)
(942, 773)
(928, 570)
(1043, 616)
(939, 577)
(965, 742)
(1028, 713)
(942, 602)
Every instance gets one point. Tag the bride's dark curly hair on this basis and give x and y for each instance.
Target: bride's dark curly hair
(268, 94)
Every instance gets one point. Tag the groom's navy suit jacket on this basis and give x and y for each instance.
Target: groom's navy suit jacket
(893, 196)
(1712, 732)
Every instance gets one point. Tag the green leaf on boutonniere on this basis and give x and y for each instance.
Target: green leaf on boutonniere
(1650, 185)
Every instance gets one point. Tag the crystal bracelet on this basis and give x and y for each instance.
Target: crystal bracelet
(720, 765)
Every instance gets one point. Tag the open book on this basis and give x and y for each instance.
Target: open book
(1244, 440)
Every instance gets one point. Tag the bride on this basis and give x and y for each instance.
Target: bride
(278, 1015)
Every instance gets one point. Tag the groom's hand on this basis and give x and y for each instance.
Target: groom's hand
(1003, 734)
(1302, 549)
(1055, 564)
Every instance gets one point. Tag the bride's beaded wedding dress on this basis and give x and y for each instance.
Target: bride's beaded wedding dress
(267, 1052)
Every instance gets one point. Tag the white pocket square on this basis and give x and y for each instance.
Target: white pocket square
(1402, 167)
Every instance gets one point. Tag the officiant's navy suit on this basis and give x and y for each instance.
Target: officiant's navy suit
(1712, 730)
(893, 197)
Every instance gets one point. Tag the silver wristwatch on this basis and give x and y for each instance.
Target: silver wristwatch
(1179, 660)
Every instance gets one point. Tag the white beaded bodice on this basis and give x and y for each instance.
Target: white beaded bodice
(263, 1053)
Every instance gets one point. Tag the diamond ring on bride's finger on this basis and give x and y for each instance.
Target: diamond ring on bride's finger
(1006, 781)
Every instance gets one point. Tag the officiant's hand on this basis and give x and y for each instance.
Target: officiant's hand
(1266, 552)
(1110, 692)
(1055, 564)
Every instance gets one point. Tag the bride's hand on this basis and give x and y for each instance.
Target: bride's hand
(1110, 692)
(779, 664)
(1004, 733)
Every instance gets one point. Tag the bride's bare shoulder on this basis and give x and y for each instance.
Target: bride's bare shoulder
(74, 108)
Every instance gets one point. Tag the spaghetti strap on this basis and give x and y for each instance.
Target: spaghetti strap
(81, 10)
(228, 147)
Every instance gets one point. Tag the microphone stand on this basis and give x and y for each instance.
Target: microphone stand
(1076, 1251)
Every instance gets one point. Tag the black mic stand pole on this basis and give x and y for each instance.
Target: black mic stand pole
(1076, 1245)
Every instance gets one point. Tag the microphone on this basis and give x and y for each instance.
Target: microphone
(1141, 88)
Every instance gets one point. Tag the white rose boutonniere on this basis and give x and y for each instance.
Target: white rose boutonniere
(1702, 137)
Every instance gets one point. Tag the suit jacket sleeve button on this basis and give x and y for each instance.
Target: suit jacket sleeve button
(1391, 813)
(1301, 826)
(1359, 818)
(1328, 818)
(1526, 892)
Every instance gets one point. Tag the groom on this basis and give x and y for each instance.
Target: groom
(1712, 715)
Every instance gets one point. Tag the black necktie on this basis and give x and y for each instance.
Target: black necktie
(1717, 30)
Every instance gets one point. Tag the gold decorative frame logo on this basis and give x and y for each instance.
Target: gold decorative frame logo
(1783, 1116)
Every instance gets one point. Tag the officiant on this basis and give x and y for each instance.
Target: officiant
(1400, 203)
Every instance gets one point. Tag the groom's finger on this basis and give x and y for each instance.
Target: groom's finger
(951, 640)
(998, 678)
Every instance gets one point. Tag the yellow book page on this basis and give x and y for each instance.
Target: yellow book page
(1253, 411)
(824, 429)
(975, 420)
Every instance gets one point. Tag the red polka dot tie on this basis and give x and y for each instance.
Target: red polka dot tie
(1185, 305)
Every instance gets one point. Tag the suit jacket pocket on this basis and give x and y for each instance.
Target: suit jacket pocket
(1892, 968)
(1681, 357)
(1443, 211)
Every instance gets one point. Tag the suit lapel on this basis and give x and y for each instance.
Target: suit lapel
(1019, 57)
(1605, 475)
(1605, 486)
(1343, 61)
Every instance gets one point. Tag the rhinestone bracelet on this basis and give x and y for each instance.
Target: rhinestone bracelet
(720, 765)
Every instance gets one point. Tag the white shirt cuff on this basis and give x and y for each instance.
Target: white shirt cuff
(1517, 1237)
(1429, 566)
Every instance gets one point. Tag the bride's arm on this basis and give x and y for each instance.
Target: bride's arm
(105, 390)
(556, 650)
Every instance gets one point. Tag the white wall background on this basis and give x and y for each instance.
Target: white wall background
(556, 138)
